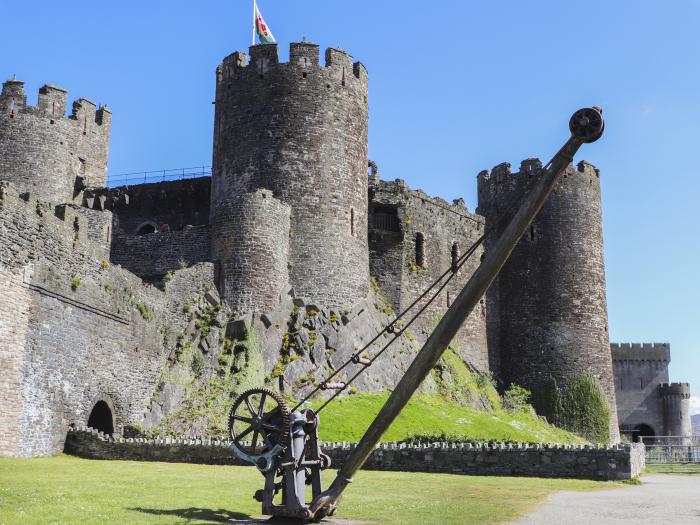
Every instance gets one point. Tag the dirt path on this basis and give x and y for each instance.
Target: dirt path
(660, 500)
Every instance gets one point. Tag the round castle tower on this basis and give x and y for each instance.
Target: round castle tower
(250, 241)
(46, 153)
(300, 131)
(547, 310)
(676, 401)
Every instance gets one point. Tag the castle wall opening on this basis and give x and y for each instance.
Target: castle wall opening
(146, 229)
(643, 430)
(101, 418)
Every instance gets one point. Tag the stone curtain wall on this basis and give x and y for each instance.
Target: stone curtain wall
(393, 258)
(154, 255)
(615, 463)
(550, 296)
(300, 131)
(178, 204)
(639, 371)
(78, 330)
(43, 151)
(14, 324)
(250, 243)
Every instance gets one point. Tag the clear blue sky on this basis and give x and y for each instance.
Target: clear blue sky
(455, 87)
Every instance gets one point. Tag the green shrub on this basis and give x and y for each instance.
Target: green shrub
(198, 363)
(145, 310)
(548, 401)
(74, 284)
(516, 399)
(585, 409)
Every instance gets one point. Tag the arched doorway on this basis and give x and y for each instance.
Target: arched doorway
(101, 418)
(643, 431)
(146, 228)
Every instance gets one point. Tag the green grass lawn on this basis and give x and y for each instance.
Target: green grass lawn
(346, 419)
(68, 490)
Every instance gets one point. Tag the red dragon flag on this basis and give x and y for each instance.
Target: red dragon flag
(260, 27)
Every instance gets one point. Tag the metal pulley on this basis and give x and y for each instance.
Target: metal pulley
(587, 124)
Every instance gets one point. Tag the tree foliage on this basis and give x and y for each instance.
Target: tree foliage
(582, 408)
(516, 399)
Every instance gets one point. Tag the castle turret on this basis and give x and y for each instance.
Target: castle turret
(250, 242)
(300, 131)
(676, 401)
(547, 311)
(46, 153)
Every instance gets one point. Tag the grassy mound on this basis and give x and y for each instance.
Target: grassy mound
(433, 416)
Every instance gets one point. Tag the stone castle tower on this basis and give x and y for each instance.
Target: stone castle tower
(676, 403)
(298, 130)
(46, 153)
(547, 310)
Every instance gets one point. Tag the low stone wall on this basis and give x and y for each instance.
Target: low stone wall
(615, 462)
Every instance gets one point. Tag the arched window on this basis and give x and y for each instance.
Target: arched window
(455, 257)
(420, 250)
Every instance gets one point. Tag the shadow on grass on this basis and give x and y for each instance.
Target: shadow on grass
(195, 514)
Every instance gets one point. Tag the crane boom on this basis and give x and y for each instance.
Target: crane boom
(586, 125)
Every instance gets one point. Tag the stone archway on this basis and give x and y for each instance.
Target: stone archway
(146, 228)
(102, 418)
(642, 431)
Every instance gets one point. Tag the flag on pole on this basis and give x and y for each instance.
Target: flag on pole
(263, 32)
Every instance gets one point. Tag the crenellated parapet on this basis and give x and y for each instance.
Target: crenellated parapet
(47, 152)
(62, 219)
(675, 390)
(340, 69)
(501, 189)
(623, 352)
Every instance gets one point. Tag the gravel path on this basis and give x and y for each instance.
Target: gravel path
(660, 500)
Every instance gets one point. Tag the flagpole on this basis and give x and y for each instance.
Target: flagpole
(254, 9)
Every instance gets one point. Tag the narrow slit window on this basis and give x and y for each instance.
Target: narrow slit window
(352, 222)
(455, 257)
(420, 249)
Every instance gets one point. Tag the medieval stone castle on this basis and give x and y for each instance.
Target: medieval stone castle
(293, 237)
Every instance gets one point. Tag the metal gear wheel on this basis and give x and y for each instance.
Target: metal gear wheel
(258, 421)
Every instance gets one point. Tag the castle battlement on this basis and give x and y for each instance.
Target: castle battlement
(677, 390)
(62, 216)
(53, 103)
(46, 152)
(641, 352)
(303, 58)
(528, 168)
(382, 189)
